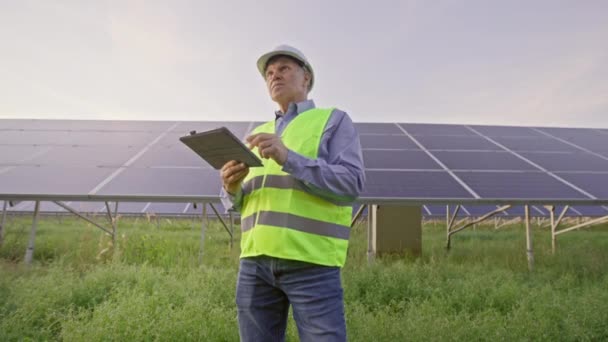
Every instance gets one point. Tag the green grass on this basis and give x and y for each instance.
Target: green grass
(152, 287)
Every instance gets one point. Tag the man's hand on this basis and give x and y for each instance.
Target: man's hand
(269, 146)
(232, 174)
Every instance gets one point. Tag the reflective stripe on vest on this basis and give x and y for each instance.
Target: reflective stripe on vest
(303, 224)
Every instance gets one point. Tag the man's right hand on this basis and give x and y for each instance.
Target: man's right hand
(232, 174)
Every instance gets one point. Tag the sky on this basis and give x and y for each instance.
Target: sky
(511, 62)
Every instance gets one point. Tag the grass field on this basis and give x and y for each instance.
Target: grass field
(151, 286)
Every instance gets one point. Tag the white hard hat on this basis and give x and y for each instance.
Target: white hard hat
(285, 50)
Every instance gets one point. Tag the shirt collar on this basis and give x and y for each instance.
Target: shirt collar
(296, 108)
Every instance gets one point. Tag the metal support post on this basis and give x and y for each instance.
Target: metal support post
(357, 215)
(449, 224)
(371, 208)
(203, 228)
(529, 251)
(29, 252)
(2, 221)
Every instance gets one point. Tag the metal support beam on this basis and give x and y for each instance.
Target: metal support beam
(554, 225)
(357, 215)
(583, 224)
(112, 222)
(29, 252)
(474, 222)
(217, 214)
(2, 221)
(203, 228)
(450, 222)
(529, 251)
(70, 209)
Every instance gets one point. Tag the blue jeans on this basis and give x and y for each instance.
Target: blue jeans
(266, 287)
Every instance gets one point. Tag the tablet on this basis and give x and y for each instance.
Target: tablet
(219, 146)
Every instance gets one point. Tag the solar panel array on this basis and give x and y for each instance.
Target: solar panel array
(77, 160)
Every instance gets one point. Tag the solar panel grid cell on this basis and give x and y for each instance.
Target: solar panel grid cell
(505, 131)
(469, 160)
(437, 142)
(377, 128)
(518, 185)
(387, 141)
(436, 129)
(411, 160)
(61, 180)
(399, 184)
(595, 184)
(576, 161)
(163, 182)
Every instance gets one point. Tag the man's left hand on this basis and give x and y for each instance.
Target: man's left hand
(269, 146)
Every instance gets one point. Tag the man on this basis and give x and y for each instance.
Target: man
(296, 210)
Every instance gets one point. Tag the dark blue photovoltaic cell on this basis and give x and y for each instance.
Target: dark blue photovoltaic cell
(77, 138)
(505, 131)
(482, 161)
(578, 161)
(387, 141)
(164, 182)
(400, 184)
(539, 144)
(175, 155)
(417, 160)
(457, 143)
(594, 183)
(436, 129)
(584, 210)
(52, 179)
(86, 125)
(36, 138)
(377, 128)
(13, 155)
(434, 210)
(89, 156)
(518, 185)
(585, 138)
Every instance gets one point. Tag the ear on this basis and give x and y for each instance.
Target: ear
(307, 79)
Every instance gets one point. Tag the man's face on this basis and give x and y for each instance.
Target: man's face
(286, 80)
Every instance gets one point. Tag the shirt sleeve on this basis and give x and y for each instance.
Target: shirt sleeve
(338, 173)
(232, 202)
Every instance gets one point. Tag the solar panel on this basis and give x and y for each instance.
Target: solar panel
(145, 161)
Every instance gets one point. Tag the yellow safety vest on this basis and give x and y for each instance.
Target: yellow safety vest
(279, 218)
